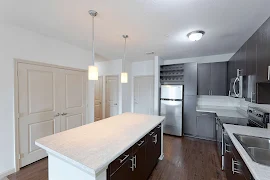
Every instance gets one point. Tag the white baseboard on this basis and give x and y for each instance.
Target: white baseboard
(6, 173)
(161, 157)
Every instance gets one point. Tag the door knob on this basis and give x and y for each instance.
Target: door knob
(115, 104)
(63, 114)
(58, 114)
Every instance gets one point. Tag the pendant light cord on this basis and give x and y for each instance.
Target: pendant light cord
(93, 42)
(125, 54)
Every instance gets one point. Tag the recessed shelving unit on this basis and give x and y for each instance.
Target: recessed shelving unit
(172, 74)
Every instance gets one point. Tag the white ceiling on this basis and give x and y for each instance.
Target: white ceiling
(153, 25)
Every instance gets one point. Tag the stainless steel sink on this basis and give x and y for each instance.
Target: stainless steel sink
(251, 141)
(261, 156)
(257, 148)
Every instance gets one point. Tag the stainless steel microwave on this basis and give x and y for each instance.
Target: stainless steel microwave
(236, 87)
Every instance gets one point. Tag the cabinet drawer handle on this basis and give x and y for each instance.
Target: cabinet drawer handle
(235, 170)
(122, 160)
(151, 133)
(141, 143)
(132, 164)
(135, 161)
(226, 150)
(155, 140)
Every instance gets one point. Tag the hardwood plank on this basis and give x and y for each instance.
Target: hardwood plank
(185, 159)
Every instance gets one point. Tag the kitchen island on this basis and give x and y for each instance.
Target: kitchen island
(127, 145)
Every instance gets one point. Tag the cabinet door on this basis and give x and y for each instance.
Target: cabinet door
(150, 156)
(189, 120)
(124, 172)
(231, 71)
(157, 143)
(228, 155)
(219, 79)
(140, 168)
(204, 73)
(251, 55)
(240, 62)
(190, 79)
(263, 59)
(206, 127)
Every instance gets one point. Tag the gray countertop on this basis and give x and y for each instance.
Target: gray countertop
(222, 111)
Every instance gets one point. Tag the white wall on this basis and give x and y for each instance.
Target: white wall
(202, 59)
(23, 44)
(158, 63)
(115, 67)
(143, 68)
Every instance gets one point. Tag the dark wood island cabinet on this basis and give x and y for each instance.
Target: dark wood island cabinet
(234, 166)
(138, 162)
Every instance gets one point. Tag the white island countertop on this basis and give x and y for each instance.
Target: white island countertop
(221, 111)
(258, 171)
(94, 146)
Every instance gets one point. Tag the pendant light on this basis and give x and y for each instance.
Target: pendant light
(92, 69)
(124, 75)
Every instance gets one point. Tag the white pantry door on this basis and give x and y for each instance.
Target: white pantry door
(73, 99)
(111, 97)
(38, 104)
(144, 95)
(98, 98)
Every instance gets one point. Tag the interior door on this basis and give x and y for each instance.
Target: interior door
(111, 108)
(73, 99)
(38, 107)
(98, 98)
(144, 95)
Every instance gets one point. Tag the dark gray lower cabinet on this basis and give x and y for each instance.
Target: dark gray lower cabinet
(206, 126)
(189, 119)
(235, 168)
(138, 162)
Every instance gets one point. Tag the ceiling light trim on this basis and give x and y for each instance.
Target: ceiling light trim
(192, 35)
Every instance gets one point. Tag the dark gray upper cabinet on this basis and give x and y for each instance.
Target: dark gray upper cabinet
(240, 62)
(251, 55)
(204, 81)
(263, 58)
(190, 79)
(219, 79)
(212, 79)
(254, 58)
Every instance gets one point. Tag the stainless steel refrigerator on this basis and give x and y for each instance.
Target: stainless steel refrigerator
(171, 106)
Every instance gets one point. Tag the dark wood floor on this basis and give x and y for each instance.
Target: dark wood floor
(185, 159)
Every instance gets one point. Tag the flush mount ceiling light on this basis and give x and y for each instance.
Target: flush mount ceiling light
(93, 70)
(124, 75)
(195, 35)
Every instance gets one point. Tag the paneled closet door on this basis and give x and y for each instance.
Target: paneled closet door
(73, 99)
(111, 106)
(98, 98)
(38, 105)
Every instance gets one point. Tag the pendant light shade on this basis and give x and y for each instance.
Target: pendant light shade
(92, 69)
(124, 75)
(92, 73)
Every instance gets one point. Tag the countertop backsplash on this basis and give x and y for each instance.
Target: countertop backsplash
(222, 101)
(229, 102)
